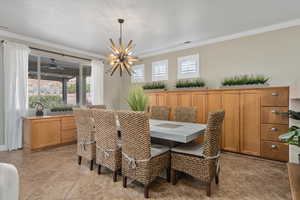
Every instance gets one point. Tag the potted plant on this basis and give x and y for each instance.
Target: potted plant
(292, 138)
(137, 99)
(190, 84)
(245, 81)
(158, 85)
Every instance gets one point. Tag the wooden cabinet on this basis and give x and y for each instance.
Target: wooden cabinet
(230, 136)
(275, 97)
(41, 132)
(271, 132)
(254, 118)
(274, 115)
(45, 133)
(199, 101)
(250, 123)
(274, 150)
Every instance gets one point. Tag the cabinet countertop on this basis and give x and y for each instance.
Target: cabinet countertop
(47, 117)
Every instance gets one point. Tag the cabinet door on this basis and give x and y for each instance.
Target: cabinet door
(230, 136)
(45, 132)
(172, 101)
(199, 101)
(68, 130)
(214, 101)
(185, 99)
(161, 99)
(152, 99)
(250, 123)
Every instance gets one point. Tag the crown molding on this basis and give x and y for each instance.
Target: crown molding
(20, 37)
(154, 52)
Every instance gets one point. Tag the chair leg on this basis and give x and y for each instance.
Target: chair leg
(146, 191)
(173, 176)
(79, 160)
(99, 169)
(217, 179)
(208, 189)
(124, 181)
(168, 175)
(92, 165)
(115, 176)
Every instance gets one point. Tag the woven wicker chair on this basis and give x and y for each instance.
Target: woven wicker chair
(141, 161)
(86, 146)
(200, 160)
(160, 112)
(185, 114)
(97, 106)
(108, 147)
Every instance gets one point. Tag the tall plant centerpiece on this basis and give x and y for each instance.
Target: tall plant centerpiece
(137, 99)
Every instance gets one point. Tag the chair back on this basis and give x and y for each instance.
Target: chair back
(105, 128)
(160, 112)
(213, 133)
(84, 124)
(97, 106)
(135, 134)
(185, 114)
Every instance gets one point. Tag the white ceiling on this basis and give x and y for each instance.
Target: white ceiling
(152, 24)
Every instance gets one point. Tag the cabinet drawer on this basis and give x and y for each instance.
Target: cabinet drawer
(274, 115)
(272, 131)
(68, 136)
(275, 97)
(275, 151)
(68, 123)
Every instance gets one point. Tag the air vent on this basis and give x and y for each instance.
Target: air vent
(187, 42)
(3, 27)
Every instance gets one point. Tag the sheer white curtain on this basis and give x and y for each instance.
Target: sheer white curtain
(97, 78)
(15, 67)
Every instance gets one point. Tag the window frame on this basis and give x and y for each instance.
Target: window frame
(139, 66)
(81, 66)
(196, 74)
(166, 63)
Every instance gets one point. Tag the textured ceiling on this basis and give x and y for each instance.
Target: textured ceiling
(152, 24)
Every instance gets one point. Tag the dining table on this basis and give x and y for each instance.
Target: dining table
(181, 132)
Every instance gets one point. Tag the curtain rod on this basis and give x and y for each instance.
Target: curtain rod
(57, 53)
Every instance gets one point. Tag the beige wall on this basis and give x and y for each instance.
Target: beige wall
(275, 54)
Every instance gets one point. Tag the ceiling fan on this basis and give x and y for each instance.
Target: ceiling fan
(53, 65)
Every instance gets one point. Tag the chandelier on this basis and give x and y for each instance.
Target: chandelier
(121, 57)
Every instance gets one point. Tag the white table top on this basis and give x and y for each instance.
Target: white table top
(176, 131)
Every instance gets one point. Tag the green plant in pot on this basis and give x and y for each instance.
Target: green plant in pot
(137, 99)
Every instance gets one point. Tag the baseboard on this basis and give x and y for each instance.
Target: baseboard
(3, 148)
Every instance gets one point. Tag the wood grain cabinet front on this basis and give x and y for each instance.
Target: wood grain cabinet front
(274, 115)
(271, 132)
(275, 151)
(275, 97)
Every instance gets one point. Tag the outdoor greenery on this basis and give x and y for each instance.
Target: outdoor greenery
(48, 101)
(72, 88)
(154, 85)
(245, 80)
(61, 108)
(137, 99)
(190, 83)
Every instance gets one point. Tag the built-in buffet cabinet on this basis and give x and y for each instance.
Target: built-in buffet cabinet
(41, 132)
(254, 117)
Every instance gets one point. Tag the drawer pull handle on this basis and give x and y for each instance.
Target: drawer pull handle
(273, 146)
(275, 112)
(274, 94)
(274, 129)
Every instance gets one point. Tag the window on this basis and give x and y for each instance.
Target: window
(86, 85)
(138, 74)
(160, 70)
(55, 82)
(188, 67)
